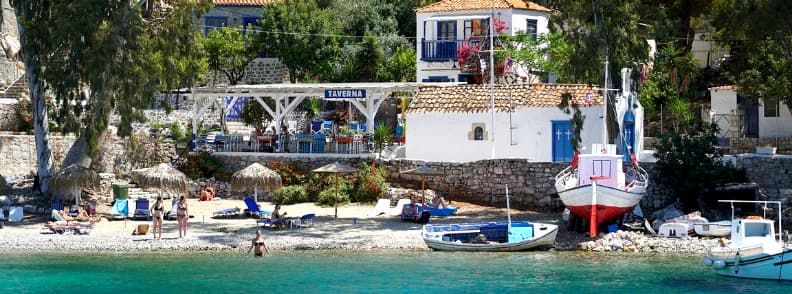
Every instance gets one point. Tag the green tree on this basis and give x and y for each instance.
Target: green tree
(681, 158)
(101, 55)
(400, 66)
(548, 53)
(405, 15)
(229, 52)
(304, 36)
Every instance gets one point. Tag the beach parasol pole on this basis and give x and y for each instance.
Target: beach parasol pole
(336, 195)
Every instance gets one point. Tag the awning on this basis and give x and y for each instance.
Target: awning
(456, 17)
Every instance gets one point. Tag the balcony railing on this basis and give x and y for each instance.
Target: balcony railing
(443, 50)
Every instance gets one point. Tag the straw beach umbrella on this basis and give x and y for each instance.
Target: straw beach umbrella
(423, 171)
(71, 180)
(163, 177)
(336, 168)
(256, 177)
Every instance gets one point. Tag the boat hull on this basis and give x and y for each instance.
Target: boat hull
(543, 235)
(611, 202)
(758, 266)
(719, 229)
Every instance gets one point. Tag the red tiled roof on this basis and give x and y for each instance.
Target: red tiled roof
(457, 5)
(243, 2)
(727, 87)
(476, 98)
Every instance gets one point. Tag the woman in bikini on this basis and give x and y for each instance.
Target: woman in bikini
(157, 212)
(182, 216)
(259, 246)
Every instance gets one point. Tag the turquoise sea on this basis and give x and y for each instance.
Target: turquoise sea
(368, 272)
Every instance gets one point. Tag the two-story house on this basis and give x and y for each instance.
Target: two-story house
(447, 25)
(233, 13)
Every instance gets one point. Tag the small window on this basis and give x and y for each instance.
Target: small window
(476, 28)
(478, 134)
(249, 21)
(770, 107)
(531, 28)
(214, 22)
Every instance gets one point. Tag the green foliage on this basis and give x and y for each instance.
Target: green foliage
(327, 198)
(367, 184)
(23, 116)
(689, 165)
(401, 66)
(670, 84)
(181, 137)
(291, 172)
(291, 195)
(140, 152)
(315, 184)
(405, 15)
(382, 135)
(311, 47)
(228, 52)
(375, 17)
(253, 114)
(203, 165)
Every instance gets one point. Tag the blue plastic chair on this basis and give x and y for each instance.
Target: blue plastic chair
(254, 209)
(327, 125)
(316, 126)
(141, 209)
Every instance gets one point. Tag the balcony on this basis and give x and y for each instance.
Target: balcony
(444, 50)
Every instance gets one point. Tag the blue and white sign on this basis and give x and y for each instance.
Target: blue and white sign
(344, 93)
(236, 110)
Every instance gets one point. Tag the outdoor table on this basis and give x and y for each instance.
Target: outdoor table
(344, 144)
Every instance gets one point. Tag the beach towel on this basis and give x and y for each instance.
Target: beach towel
(120, 209)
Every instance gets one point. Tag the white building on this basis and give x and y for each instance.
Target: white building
(739, 116)
(454, 123)
(445, 26)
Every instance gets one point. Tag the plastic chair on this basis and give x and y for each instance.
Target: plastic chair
(303, 221)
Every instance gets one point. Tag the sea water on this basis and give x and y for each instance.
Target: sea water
(368, 272)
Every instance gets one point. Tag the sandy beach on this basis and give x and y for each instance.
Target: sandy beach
(352, 230)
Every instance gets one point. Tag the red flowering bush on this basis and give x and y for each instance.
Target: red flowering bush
(367, 184)
(291, 172)
(203, 165)
(23, 115)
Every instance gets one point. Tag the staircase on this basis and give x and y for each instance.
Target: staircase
(19, 89)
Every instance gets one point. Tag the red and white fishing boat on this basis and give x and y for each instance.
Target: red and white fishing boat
(599, 186)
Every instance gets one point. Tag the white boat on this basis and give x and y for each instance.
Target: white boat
(673, 230)
(755, 252)
(490, 236)
(598, 187)
(716, 229)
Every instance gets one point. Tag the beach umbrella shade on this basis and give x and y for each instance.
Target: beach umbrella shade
(71, 180)
(256, 177)
(336, 168)
(163, 177)
(423, 171)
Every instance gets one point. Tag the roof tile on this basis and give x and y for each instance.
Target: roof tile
(457, 5)
(476, 98)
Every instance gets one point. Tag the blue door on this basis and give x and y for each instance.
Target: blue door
(628, 133)
(562, 140)
(446, 40)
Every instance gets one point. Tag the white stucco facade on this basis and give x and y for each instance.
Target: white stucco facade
(524, 135)
(725, 112)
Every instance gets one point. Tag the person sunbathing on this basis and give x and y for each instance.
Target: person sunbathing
(207, 192)
(439, 202)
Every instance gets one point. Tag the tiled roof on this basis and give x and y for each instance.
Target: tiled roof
(476, 98)
(243, 2)
(727, 87)
(457, 5)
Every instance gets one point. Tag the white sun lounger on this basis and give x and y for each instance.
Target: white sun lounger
(383, 205)
(397, 210)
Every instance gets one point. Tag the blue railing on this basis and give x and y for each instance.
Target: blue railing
(444, 50)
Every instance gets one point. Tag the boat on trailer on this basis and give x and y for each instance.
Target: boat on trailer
(490, 236)
(755, 251)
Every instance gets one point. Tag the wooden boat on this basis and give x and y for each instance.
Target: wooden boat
(716, 229)
(754, 252)
(673, 230)
(490, 236)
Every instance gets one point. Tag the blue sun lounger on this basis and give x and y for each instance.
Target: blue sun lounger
(254, 209)
(120, 209)
(226, 212)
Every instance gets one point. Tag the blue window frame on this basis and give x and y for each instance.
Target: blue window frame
(214, 22)
(531, 28)
(253, 21)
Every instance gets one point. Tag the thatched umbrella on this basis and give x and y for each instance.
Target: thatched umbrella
(256, 177)
(71, 180)
(163, 177)
(423, 171)
(336, 168)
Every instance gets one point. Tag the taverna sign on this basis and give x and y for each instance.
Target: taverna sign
(344, 94)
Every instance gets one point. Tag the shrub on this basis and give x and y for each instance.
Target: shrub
(23, 116)
(367, 184)
(291, 194)
(203, 165)
(292, 173)
(328, 196)
(315, 184)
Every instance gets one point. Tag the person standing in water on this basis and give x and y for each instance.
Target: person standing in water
(258, 244)
(182, 216)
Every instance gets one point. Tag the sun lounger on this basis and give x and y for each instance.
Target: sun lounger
(120, 209)
(227, 212)
(15, 214)
(303, 221)
(254, 209)
(70, 228)
(272, 223)
(171, 214)
(383, 205)
(397, 210)
(141, 209)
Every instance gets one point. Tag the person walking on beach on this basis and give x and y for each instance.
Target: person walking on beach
(157, 212)
(182, 216)
(259, 246)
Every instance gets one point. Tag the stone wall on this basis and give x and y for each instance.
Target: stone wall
(748, 145)
(266, 71)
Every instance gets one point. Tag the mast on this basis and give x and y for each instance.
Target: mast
(605, 108)
(492, 76)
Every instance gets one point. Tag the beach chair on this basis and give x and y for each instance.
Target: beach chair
(141, 209)
(120, 209)
(397, 210)
(171, 214)
(272, 223)
(304, 221)
(15, 214)
(57, 205)
(226, 212)
(383, 205)
(254, 209)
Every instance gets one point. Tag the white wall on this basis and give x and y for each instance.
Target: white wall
(722, 103)
(444, 136)
(771, 127)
